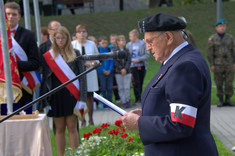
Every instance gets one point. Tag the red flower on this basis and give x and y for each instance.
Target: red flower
(130, 139)
(104, 125)
(124, 135)
(123, 129)
(97, 130)
(87, 135)
(118, 122)
(116, 131)
(111, 131)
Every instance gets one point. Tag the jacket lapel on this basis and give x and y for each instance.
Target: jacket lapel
(163, 70)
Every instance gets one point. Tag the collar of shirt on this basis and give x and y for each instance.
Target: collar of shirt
(176, 50)
(15, 28)
(50, 39)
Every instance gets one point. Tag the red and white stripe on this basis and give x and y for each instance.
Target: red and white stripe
(30, 80)
(63, 72)
(189, 114)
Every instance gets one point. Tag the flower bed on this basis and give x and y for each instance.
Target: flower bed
(109, 140)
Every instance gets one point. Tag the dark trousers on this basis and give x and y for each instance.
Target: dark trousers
(115, 89)
(138, 74)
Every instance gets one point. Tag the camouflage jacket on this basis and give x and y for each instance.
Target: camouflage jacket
(221, 51)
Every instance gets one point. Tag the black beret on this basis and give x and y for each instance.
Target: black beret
(161, 22)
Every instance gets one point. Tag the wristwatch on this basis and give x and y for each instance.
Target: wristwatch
(92, 63)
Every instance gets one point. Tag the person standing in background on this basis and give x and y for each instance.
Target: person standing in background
(61, 65)
(220, 54)
(122, 72)
(44, 47)
(113, 44)
(25, 45)
(44, 34)
(105, 72)
(139, 64)
(86, 46)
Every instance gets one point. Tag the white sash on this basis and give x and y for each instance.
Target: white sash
(30, 80)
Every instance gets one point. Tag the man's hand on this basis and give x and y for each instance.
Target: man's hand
(88, 63)
(106, 72)
(136, 61)
(212, 68)
(130, 120)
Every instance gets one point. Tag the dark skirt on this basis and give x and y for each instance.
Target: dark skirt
(62, 102)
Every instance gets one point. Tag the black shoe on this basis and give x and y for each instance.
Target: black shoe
(221, 103)
(229, 103)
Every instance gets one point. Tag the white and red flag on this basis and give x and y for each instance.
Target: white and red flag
(17, 93)
(184, 114)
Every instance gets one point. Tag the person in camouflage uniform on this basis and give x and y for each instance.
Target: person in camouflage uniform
(221, 48)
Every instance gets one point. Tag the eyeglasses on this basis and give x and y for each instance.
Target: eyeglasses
(150, 42)
(83, 31)
(60, 38)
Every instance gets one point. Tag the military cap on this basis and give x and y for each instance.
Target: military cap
(161, 22)
(220, 21)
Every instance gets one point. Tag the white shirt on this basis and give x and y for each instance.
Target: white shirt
(90, 48)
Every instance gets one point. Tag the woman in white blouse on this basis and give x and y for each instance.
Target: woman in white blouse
(87, 47)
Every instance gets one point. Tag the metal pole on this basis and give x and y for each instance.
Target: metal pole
(6, 58)
(27, 14)
(219, 9)
(37, 21)
(51, 92)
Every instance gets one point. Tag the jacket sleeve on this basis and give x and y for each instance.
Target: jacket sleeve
(128, 61)
(210, 51)
(110, 67)
(31, 50)
(186, 86)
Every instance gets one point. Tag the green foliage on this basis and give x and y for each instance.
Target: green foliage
(111, 140)
(223, 151)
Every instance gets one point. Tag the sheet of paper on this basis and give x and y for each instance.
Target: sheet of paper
(109, 104)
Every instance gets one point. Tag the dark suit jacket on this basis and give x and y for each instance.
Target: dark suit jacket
(184, 79)
(26, 39)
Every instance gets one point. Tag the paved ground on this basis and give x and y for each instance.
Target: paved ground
(222, 122)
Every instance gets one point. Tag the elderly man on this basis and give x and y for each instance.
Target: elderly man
(175, 115)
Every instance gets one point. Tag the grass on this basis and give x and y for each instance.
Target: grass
(200, 17)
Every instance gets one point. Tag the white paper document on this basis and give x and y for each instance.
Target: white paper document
(108, 103)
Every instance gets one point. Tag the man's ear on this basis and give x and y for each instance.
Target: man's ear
(169, 37)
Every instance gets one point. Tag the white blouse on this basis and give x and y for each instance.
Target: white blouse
(90, 48)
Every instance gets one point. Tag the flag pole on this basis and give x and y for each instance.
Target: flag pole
(6, 58)
(51, 92)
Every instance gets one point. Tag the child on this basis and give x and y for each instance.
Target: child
(113, 45)
(139, 64)
(123, 75)
(105, 72)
